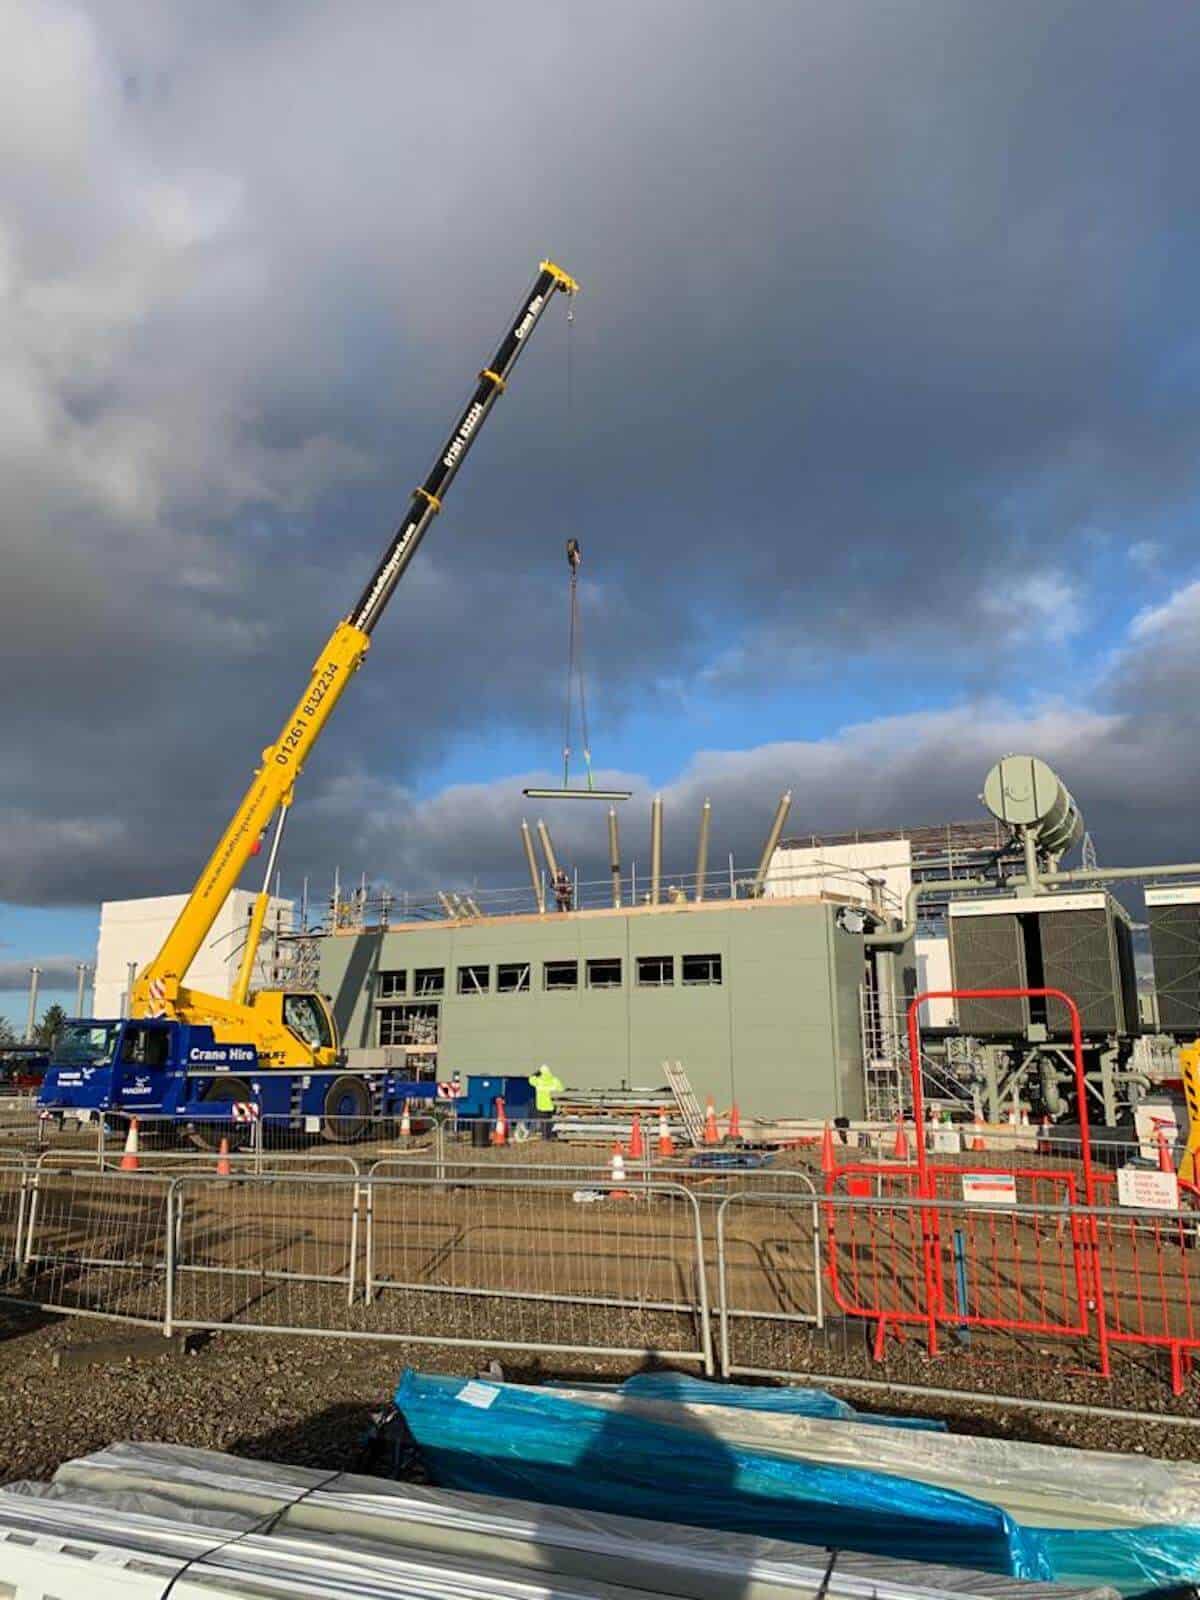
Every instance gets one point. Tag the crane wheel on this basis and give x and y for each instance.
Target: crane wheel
(208, 1135)
(347, 1110)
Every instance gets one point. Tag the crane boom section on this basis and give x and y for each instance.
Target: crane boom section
(157, 987)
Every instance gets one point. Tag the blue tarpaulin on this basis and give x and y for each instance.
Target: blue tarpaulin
(505, 1440)
(529, 1444)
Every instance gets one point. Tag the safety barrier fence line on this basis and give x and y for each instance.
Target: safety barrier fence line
(375, 1282)
(999, 1142)
(488, 1291)
(100, 1237)
(726, 1313)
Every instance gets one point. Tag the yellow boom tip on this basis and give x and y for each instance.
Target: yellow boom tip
(564, 279)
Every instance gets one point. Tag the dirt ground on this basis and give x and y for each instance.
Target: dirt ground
(310, 1401)
(620, 1273)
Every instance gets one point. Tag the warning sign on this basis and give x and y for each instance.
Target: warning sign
(989, 1188)
(1150, 1120)
(1149, 1191)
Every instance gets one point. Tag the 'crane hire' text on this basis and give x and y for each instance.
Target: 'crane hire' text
(530, 317)
(463, 437)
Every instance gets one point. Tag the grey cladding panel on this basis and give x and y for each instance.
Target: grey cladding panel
(1079, 957)
(1175, 941)
(988, 953)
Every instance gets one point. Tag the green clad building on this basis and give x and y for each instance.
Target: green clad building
(758, 999)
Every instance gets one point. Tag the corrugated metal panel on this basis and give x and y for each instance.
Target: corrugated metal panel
(155, 1519)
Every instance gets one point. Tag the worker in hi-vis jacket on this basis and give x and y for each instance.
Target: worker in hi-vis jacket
(545, 1086)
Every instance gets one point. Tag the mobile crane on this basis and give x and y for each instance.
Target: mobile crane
(186, 1054)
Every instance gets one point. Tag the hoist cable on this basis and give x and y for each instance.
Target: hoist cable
(572, 609)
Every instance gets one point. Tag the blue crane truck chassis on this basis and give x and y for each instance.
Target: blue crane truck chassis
(179, 1071)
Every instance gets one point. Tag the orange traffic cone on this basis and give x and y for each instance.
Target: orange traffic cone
(617, 1173)
(500, 1131)
(129, 1160)
(666, 1145)
(1165, 1162)
(224, 1168)
(711, 1134)
(735, 1122)
(405, 1123)
(977, 1139)
(637, 1145)
(900, 1148)
(828, 1159)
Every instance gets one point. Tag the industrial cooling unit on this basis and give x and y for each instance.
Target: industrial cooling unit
(1079, 943)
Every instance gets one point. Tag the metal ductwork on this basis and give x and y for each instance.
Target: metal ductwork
(781, 816)
(702, 849)
(535, 876)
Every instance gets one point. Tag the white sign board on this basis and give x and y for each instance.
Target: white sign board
(1150, 1121)
(946, 1141)
(1149, 1191)
(989, 1188)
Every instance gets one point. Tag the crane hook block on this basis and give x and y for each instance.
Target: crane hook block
(574, 554)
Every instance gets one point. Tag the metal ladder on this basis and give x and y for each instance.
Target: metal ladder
(685, 1099)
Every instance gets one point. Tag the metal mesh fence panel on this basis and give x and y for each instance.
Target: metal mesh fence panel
(1150, 1278)
(769, 1276)
(540, 1264)
(13, 1206)
(95, 1242)
(446, 1258)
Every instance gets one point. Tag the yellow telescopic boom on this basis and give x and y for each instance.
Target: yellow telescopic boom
(156, 992)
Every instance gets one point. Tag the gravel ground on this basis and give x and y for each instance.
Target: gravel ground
(310, 1401)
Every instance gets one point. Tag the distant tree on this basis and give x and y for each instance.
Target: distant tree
(46, 1029)
(8, 1034)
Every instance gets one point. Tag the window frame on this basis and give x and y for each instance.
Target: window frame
(521, 967)
(468, 982)
(421, 991)
(425, 1010)
(666, 963)
(604, 961)
(716, 970)
(383, 992)
(560, 988)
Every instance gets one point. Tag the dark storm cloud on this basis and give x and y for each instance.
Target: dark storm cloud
(887, 319)
(1130, 754)
(54, 972)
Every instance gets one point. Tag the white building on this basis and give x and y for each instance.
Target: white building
(875, 872)
(132, 931)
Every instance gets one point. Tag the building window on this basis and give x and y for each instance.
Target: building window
(408, 1025)
(701, 969)
(429, 980)
(474, 980)
(561, 975)
(391, 985)
(512, 977)
(604, 973)
(655, 972)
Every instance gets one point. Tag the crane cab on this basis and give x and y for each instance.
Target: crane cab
(297, 1028)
